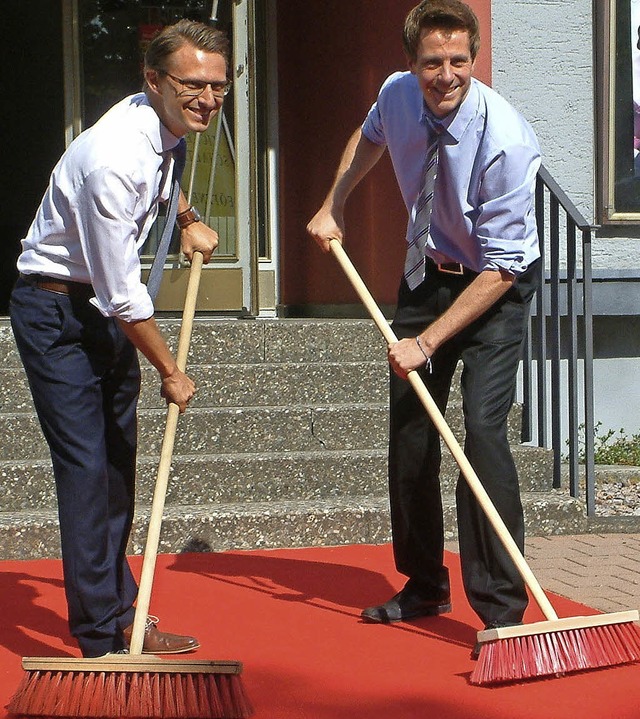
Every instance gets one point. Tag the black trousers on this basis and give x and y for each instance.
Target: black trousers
(85, 381)
(490, 351)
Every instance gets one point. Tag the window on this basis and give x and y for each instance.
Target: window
(618, 110)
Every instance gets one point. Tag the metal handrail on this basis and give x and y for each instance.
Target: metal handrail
(561, 325)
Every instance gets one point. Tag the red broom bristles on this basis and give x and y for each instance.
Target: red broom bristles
(191, 699)
(129, 695)
(209, 690)
(530, 656)
(237, 703)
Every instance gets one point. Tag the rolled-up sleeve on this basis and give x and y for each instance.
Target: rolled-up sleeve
(372, 127)
(105, 211)
(506, 220)
(386, 107)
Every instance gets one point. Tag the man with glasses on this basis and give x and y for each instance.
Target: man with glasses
(80, 312)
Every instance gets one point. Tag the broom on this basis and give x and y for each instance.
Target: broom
(132, 685)
(555, 646)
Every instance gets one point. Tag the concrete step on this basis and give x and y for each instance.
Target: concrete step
(242, 429)
(8, 353)
(240, 385)
(250, 477)
(283, 385)
(319, 522)
(284, 445)
(231, 341)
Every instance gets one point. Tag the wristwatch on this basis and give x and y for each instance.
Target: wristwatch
(188, 217)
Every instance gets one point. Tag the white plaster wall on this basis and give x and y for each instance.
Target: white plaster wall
(543, 64)
(616, 396)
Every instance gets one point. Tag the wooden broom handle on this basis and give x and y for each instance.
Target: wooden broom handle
(447, 435)
(166, 453)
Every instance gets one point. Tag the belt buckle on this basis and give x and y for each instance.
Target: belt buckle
(459, 268)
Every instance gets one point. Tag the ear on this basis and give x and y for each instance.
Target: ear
(411, 65)
(152, 79)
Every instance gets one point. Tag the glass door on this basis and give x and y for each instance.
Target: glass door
(105, 42)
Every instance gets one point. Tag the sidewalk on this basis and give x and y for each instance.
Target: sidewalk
(599, 570)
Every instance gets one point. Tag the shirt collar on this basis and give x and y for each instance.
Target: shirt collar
(456, 122)
(160, 137)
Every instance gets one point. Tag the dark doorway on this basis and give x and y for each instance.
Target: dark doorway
(32, 122)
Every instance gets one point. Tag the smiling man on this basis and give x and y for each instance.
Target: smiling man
(80, 311)
(466, 164)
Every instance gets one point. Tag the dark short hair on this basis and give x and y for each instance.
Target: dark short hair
(448, 15)
(185, 32)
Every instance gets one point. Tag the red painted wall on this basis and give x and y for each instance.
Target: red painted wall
(332, 58)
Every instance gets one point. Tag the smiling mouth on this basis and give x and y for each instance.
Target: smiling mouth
(443, 94)
(202, 115)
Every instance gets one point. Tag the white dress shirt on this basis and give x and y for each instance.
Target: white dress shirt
(101, 202)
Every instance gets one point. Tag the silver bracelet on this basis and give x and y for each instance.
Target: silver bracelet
(428, 364)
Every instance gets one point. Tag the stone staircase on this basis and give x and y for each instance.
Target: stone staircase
(283, 445)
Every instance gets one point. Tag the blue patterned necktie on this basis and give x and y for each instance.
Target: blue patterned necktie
(414, 266)
(155, 275)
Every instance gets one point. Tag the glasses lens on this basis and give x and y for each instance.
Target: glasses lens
(219, 89)
(195, 88)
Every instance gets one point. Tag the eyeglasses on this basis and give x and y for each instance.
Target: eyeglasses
(195, 88)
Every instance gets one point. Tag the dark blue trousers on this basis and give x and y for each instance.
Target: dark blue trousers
(85, 381)
(490, 351)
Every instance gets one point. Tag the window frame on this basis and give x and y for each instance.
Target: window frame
(617, 184)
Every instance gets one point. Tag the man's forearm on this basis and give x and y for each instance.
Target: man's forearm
(411, 353)
(182, 202)
(146, 337)
(485, 290)
(176, 386)
(358, 157)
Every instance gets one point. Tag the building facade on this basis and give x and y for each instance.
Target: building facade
(304, 76)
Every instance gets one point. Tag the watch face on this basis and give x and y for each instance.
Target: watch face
(196, 215)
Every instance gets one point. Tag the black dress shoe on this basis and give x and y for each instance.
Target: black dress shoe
(406, 605)
(475, 652)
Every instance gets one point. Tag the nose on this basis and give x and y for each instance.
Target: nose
(210, 98)
(446, 72)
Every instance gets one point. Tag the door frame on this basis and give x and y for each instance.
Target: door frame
(247, 284)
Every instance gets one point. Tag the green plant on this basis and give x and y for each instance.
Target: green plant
(613, 447)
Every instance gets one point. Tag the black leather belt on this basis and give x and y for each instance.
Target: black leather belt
(53, 284)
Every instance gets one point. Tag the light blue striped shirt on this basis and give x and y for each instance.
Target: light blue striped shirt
(483, 209)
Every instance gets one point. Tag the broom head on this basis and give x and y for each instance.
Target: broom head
(556, 647)
(131, 687)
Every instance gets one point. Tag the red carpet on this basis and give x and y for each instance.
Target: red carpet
(292, 618)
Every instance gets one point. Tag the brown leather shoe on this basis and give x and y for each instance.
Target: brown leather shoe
(157, 642)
